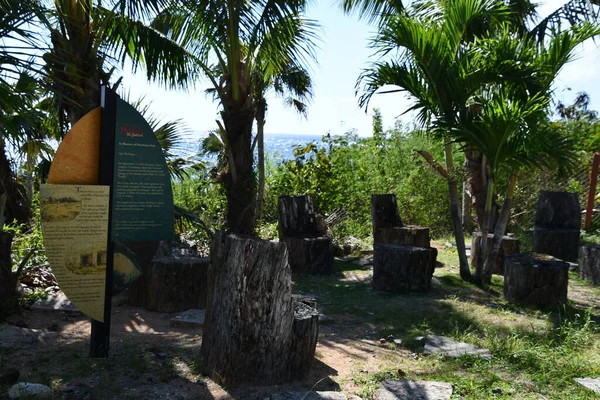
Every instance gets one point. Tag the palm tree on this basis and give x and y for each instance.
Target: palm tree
(510, 128)
(240, 46)
(89, 40)
(439, 73)
(293, 83)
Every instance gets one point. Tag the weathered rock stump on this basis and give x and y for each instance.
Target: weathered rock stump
(589, 263)
(254, 331)
(305, 235)
(305, 332)
(8, 281)
(560, 243)
(535, 279)
(311, 255)
(388, 226)
(171, 284)
(401, 268)
(509, 245)
(557, 225)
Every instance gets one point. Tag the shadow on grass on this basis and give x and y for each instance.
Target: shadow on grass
(360, 312)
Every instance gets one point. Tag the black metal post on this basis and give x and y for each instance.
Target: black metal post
(99, 341)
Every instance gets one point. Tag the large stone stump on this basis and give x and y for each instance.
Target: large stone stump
(311, 255)
(589, 263)
(509, 245)
(305, 235)
(8, 280)
(388, 226)
(171, 284)
(557, 225)
(254, 333)
(399, 268)
(534, 279)
(560, 243)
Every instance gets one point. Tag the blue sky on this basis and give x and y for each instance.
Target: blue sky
(343, 53)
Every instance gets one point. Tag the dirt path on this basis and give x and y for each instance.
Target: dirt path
(152, 360)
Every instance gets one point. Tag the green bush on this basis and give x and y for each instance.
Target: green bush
(344, 172)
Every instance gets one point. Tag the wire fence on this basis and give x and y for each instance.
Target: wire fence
(531, 184)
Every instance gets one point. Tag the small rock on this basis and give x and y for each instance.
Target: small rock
(448, 244)
(26, 390)
(451, 348)
(497, 391)
(9, 377)
(371, 313)
(419, 338)
(397, 342)
(394, 389)
(589, 383)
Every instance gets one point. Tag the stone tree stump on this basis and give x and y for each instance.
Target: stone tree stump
(171, 284)
(254, 331)
(400, 268)
(557, 225)
(305, 235)
(589, 263)
(509, 245)
(535, 279)
(8, 280)
(388, 226)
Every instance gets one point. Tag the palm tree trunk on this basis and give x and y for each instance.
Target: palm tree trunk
(475, 184)
(261, 166)
(240, 191)
(479, 275)
(459, 237)
(500, 229)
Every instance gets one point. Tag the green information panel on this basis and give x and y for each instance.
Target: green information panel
(142, 198)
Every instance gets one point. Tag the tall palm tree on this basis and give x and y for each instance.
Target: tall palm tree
(510, 128)
(240, 45)
(294, 85)
(90, 40)
(439, 73)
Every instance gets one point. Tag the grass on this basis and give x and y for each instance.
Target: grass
(535, 354)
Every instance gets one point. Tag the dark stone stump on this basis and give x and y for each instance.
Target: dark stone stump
(312, 255)
(310, 249)
(255, 332)
(560, 243)
(398, 268)
(589, 263)
(557, 225)
(388, 227)
(560, 210)
(171, 284)
(8, 280)
(534, 279)
(509, 245)
(409, 235)
(305, 333)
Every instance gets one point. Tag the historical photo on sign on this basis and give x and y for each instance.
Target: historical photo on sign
(75, 229)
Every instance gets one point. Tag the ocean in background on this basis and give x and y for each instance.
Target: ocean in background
(278, 147)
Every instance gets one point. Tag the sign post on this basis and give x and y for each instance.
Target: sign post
(99, 341)
(107, 203)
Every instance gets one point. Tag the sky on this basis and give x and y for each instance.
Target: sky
(343, 53)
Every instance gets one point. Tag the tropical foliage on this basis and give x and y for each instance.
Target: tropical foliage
(242, 48)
